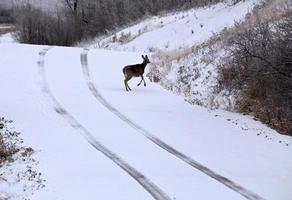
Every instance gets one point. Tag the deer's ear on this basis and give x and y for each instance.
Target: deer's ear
(143, 57)
(146, 56)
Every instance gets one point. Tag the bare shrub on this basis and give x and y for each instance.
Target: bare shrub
(7, 148)
(19, 178)
(260, 68)
(124, 37)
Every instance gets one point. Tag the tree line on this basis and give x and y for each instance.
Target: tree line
(77, 20)
(6, 16)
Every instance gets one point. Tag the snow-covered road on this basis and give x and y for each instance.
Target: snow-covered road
(69, 87)
(139, 168)
(232, 185)
(155, 191)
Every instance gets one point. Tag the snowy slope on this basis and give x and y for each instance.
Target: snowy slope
(64, 104)
(177, 30)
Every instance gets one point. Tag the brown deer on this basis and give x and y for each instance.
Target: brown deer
(136, 70)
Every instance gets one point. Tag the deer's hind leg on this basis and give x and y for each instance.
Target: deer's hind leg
(126, 84)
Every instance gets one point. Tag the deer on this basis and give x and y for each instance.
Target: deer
(136, 70)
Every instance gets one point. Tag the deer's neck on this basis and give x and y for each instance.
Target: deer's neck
(144, 64)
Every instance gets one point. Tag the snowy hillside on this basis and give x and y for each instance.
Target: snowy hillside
(177, 30)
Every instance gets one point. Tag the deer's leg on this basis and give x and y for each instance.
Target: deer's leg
(143, 80)
(126, 83)
(140, 81)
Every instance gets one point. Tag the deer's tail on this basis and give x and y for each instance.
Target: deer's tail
(124, 71)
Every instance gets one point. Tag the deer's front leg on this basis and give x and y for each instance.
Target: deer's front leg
(140, 81)
(143, 80)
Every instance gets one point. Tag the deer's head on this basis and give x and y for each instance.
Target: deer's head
(145, 59)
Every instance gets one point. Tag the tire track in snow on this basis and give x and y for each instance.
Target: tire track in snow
(150, 187)
(225, 181)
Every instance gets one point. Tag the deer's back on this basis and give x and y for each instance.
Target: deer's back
(134, 70)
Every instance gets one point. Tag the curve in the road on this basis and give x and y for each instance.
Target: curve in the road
(149, 186)
(225, 181)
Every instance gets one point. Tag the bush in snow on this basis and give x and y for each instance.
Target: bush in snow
(7, 148)
(260, 69)
(124, 37)
(17, 166)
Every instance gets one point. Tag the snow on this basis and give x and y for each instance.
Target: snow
(197, 132)
(74, 170)
(66, 100)
(67, 162)
(175, 36)
(122, 138)
(7, 38)
(178, 30)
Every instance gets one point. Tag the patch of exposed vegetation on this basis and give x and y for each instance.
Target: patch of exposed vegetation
(259, 69)
(18, 177)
